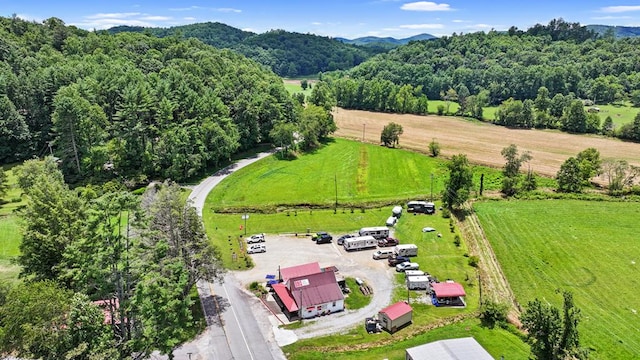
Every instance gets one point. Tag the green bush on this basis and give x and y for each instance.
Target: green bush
(492, 314)
(446, 213)
(473, 261)
(456, 240)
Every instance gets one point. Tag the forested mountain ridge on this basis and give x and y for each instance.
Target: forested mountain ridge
(286, 53)
(617, 31)
(536, 76)
(130, 105)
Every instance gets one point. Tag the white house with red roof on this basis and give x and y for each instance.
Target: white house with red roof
(307, 291)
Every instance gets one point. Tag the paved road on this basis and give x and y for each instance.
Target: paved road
(233, 331)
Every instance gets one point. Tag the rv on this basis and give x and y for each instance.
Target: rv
(406, 250)
(391, 221)
(417, 282)
(378, 232)
(421, 207)
(359, 243)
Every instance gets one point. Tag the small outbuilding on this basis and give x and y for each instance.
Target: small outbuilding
(447, 293)
(452, 349)
(396, 316)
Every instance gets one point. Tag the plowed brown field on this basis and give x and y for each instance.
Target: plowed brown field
(482, 142)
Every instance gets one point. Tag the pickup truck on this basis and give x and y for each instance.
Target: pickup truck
(322, 237)
(395, 260)
(388, 242)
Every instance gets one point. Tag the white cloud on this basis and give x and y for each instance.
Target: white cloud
(156, 18)
(228, 10)
(422, 26)
(28, 17)
(189, 18)
(611, 17)
(458, 21)
(425, 6)
(316, 23)
(620, 9)
(108, 20)
(391, 29)
(186, 8)
(112, 15)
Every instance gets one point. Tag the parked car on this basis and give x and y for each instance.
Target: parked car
(382, 254)
(395, 260)
(388, 242)
(428, 229)
(402, 267)
(256, 248)
(342, 238)
(322, 237)
(258, 238)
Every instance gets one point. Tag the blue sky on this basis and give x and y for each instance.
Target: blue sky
(344, 18)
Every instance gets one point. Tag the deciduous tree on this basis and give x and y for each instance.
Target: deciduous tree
(391, 134)
(458, 185)
(568, 177)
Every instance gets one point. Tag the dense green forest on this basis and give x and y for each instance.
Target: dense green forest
(536, 76)
(134, 106)
(286, 53)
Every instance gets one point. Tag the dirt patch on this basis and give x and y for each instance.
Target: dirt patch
(481, 142)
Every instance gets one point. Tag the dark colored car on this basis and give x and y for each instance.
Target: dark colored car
(388, 242)
(395, 260)
(323, 238)
(342, 238)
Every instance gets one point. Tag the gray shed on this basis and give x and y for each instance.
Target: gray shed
(452, 349)
(396, 316)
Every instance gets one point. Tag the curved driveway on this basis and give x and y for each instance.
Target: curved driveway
(233, 331)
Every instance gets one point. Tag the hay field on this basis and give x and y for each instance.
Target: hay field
(481, 142)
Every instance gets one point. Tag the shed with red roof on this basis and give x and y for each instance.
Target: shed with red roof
(448, 293)
(396, 316)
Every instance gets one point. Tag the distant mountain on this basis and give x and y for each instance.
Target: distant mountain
(369, 40)
(212, 33)
(288, 54)
(618, 31)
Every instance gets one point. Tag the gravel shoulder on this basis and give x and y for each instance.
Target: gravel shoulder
(285, 251)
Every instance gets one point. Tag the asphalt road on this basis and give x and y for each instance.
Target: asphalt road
(233, 331)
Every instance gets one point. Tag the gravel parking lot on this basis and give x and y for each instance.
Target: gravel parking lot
(285, 251)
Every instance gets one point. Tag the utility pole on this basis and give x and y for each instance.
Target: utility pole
(431, 187)
(335, 179)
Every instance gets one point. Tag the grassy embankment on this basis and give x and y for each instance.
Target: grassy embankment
(588, 248)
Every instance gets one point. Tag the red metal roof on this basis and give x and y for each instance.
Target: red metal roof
(284, 295)
(299, 270)
(107, 306)
(448, 289)
(396, 310)
(315, 289)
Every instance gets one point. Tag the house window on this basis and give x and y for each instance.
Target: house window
(334, 303)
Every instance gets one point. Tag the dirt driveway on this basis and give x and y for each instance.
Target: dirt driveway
(285, 251)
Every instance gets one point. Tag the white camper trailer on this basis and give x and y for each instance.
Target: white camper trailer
(418, 282)
(359, 243)
(406, 250)
(378, 232)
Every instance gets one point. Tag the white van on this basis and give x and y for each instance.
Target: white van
(382, 254)
(391, 221)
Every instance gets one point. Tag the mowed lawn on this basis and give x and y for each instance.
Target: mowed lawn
(357, 172)
(588, 248)
(10, 232)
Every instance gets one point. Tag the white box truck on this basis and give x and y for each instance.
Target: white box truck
(359, 243)
(418, 282)
(406, 250)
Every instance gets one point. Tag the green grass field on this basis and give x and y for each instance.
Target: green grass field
(498, 342)
(588, 248)
(433, 106)
(10, 234)
(296, 88)
(620, 114)
(359, 172)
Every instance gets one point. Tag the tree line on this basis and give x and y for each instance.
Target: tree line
(540, 78)
(105, 273)
(288, 54)
(133, 106)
